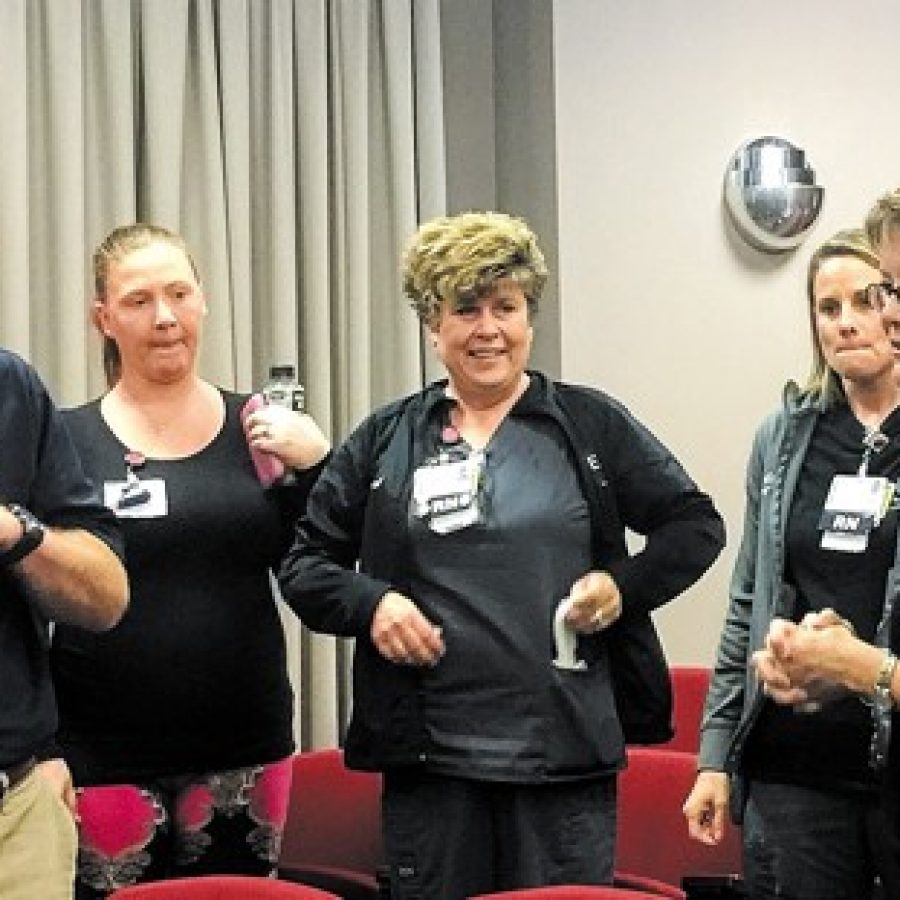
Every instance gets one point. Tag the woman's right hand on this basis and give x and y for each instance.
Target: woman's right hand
(293, 437)
(706, 807)
(402, 634)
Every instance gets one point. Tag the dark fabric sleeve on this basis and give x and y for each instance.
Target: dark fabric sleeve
(319, 577)
(292, 498)
(59, 493)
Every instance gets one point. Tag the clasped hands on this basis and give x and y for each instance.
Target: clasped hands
(403, 634)
(801, 664)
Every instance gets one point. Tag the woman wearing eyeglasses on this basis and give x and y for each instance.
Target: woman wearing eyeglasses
(883, 230)
(820, 533)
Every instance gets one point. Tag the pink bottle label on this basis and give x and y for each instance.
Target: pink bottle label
(269, 468)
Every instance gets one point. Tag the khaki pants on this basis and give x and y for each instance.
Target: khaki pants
(37, 844)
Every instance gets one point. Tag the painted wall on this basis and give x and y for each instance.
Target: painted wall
(661, 303)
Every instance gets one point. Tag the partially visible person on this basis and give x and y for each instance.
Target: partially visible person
(59, 561)
(800, 663)
(811, 661)
(809, 664)
(883, 230)
(178, 724)
(474, 507)
(820, 535)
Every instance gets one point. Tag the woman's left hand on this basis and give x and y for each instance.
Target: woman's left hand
(293, 437)
(595, 603)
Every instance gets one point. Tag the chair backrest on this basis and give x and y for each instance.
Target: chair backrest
(689, 687)
(221, 887)
(334, 815)
(569, 892)
(652, 886)
(653, 838)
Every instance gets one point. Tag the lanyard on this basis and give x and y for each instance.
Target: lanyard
(873, 442)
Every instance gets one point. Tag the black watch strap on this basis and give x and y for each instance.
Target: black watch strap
(32, 535)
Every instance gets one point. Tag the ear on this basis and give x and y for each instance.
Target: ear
(99, 316)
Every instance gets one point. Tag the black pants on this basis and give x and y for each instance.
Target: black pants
(449, 838)
(806, 844)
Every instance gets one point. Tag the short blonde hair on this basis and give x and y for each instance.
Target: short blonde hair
(452, 256)
(823, 382)
(883, 217)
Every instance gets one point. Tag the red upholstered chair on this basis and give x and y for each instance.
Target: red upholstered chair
(648, 885)
(689, 687)
(653, 840)
(332, 837)
(570, 892)
(221, 887)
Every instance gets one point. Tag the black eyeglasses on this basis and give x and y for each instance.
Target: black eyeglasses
(877, 295)
(890, 292)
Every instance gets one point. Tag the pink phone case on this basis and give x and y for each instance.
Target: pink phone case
(269, 468)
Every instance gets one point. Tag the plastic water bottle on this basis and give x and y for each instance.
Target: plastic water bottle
(283, 389)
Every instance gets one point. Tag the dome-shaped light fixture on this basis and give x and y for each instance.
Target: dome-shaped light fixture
(771, 194)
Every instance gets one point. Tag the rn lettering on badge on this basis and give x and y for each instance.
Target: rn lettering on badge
(845, 523)
(441, 505)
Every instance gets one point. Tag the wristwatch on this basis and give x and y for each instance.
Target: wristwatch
(33, 532)
(881, 690)
(882, 708)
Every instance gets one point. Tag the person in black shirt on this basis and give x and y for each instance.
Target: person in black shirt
(807, 662)
(59, 551)
(820, 535)
(494, 589)
(178, 724)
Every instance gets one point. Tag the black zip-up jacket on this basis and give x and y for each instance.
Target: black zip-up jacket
(357, 513)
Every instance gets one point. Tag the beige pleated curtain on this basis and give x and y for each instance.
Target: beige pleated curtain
(295, 144)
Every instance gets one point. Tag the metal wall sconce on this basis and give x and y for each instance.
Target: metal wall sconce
(771, 194)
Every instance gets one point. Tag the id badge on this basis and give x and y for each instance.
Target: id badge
(144, 499)
(854, 506)
(445, 493)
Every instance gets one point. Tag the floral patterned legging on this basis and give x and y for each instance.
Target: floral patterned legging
(220, 822)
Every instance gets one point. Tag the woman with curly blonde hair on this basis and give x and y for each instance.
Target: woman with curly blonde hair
(471, 538)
